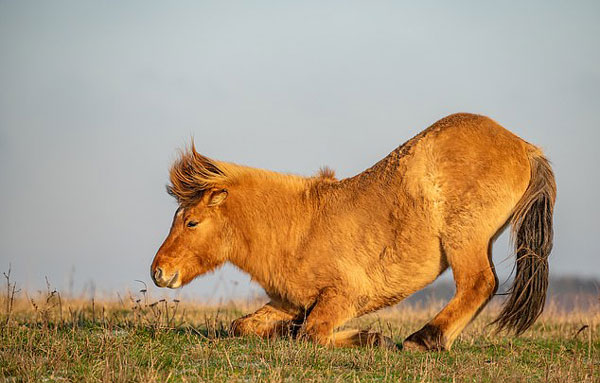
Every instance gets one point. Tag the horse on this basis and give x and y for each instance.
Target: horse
(327, 250)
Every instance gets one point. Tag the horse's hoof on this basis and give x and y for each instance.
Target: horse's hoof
(409, 345)
(429, 338)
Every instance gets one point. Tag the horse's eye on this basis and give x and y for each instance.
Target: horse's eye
(192, 224)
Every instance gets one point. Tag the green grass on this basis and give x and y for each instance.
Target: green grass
(52, 339)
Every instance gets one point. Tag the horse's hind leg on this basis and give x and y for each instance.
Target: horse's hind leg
(475, 282)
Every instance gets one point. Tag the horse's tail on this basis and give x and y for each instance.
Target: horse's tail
(531, 235)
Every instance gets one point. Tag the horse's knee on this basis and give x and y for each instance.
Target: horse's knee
(240, 326)
(249, 325)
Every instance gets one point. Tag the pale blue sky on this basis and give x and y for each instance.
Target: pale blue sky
(95, 97)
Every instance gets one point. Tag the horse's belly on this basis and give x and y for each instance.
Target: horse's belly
(396, 276)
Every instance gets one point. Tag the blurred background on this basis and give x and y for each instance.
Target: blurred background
(95, 98)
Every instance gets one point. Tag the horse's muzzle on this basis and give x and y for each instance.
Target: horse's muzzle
(162, 280)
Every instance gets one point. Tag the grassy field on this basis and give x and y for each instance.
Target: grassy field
(49, 338)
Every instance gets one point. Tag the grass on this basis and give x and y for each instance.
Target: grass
(48, 338)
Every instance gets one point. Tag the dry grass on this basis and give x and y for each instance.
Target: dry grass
(47, 337)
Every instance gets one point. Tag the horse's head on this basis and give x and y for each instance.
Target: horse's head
(196, 244)
(199, 240)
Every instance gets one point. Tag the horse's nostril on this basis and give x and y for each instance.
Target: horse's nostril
(157, 274)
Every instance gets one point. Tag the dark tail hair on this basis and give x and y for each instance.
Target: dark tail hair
(532, 237)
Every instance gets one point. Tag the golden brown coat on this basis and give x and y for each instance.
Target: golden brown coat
(328, 250)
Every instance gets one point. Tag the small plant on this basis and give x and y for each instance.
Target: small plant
(9, 299)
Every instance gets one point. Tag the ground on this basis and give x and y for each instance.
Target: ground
(52, 338)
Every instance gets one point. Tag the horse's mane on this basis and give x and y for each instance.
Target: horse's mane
(326, 173)
(192, 174)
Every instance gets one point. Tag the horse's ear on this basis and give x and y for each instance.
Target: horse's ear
(217, 197)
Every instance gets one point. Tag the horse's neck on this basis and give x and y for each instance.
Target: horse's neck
(276, 215)
(270, 220)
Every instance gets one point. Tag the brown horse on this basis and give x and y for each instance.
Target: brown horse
(328, 250)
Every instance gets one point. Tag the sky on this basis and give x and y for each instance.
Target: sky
(96, 98)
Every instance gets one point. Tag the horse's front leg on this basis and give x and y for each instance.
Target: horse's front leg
(332, 310)
(271, 320)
